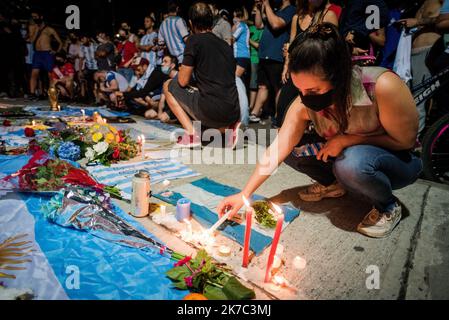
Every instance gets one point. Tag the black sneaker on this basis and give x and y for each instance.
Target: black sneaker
(33, 97)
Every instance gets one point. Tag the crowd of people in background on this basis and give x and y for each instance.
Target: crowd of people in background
(233, 65)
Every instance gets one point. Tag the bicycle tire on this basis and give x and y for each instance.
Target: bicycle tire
(430, 138)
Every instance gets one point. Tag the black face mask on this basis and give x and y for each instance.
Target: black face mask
(318, 102)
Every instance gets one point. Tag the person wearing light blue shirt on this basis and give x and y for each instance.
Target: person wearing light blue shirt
(173, 32)
(241, 35)
(148, 43)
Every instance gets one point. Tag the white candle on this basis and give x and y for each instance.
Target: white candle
(163, 209)
(219, 223)
(166, 183)
(33, 123)
(143, 147)
(189, 227)
(299, 263)
(84, 115)
(277, 263)
(280, 250)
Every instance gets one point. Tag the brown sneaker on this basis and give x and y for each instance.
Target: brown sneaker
(318, 192)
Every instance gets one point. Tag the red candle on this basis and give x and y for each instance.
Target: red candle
(249, 220)
(274, 245)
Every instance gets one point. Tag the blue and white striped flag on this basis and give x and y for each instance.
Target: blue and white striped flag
(121, 175)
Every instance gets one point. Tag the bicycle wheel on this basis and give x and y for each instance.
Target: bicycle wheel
(435, 151)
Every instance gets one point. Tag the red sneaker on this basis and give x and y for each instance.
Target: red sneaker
(234, 138)
(188, 141)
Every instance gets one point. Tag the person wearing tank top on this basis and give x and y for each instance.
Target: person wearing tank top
(367, 122)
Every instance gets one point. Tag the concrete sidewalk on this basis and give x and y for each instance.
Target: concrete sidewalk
(413, 261)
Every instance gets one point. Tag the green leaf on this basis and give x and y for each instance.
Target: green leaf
(178, 273)
(234, 290)
(181, 285)
(41, 181)
(214, 293)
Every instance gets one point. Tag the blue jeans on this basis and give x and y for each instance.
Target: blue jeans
(370, 171)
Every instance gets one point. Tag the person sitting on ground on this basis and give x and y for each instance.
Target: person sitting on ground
(369, 120)
(146, 93)
(105, 53)
(214, 102)
(63, 75)
(109, 84)
(170, 68)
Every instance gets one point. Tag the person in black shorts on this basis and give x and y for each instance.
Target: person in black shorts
(213, 99)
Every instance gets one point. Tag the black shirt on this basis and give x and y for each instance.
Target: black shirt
(214, 68)
(107, 62)
(354, 16)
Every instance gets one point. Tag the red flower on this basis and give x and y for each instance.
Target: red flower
(6, 123)
(116, 154)
(189, 281)
(82, 178)
(183, 262)
(29, 132)
(34, 147)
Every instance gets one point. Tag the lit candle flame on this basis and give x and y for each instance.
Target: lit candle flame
(246, 202)
(279, 280)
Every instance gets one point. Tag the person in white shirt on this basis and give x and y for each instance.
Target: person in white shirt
(148, 44)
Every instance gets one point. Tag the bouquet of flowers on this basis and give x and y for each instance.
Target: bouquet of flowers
(44, 174)
(100, 143)
(108, 145)
(204, 276)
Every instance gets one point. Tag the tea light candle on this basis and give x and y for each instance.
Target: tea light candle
(224, 251)
(299, 263)
(183, 209)
(166, 183)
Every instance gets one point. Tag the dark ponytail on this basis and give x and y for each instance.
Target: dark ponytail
(323, 52)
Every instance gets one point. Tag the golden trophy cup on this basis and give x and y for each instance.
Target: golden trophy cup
(53, 97)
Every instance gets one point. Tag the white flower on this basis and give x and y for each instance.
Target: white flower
(90, 154)
(101, 147)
